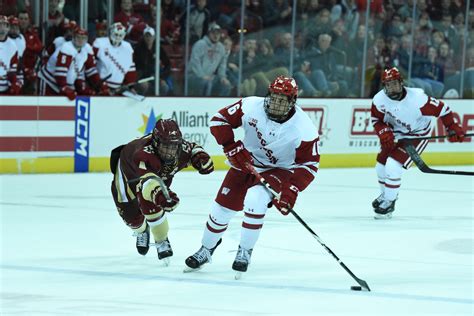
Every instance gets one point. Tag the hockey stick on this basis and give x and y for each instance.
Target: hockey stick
(434, 137)
(129, 85)
(361, 282)
(424, 167)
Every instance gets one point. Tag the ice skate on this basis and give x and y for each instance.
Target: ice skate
(164, 251)
(201, 257)
(143, 240)
(377, 201)
(241, 262)
(385, 210)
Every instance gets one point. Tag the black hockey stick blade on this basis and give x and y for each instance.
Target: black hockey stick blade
(424, 167)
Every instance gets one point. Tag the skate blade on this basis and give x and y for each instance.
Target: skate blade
(166, 261)
(189, 269)
(383, 216)
(238, 275)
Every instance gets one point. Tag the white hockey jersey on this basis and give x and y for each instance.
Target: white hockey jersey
(291, 145)
(20, 43)
(8, 63)
(67, 64)
(410, 117)
(113, 61)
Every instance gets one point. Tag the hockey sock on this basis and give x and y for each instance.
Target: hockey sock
(216, 225)
(380, 169)
(159, 227)
(251, 227)
(255, 207)
(393, 179)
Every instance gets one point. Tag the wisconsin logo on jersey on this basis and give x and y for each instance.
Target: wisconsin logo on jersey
(225, 191)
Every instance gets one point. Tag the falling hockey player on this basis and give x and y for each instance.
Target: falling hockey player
(141, 200)
(281, 142)
(399, 112)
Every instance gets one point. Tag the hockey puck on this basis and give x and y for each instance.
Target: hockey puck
(356, 288)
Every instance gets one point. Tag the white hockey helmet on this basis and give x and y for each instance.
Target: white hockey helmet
(117, 33)
(4, 26)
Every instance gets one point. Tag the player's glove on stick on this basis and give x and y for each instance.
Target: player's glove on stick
(15, 88)
(288, 195)
(202, 162)
(387, 140)
(456, 133)
(69, 93)
(238, 155)
(160, 200)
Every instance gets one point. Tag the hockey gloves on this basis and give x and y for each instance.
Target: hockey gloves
(387, 140)
(104, 89)
(68, 92)
(167, 206)
(455, 131)
(15, 88)
(288, 195)
(238, 156)
(202, 162)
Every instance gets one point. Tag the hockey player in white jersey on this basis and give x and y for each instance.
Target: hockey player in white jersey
(20, 43)
(115, 58)
(399, 112)
(8, 61)
(67, 68)
(281, 142)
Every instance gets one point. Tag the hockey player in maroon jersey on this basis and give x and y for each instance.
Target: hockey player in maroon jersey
(140, 199)
(9, 83)
(399, 112)
(281, 142)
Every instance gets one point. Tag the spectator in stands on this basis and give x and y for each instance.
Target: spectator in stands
(253, 21)
(311, 83)
(199, 18)
(446, 26)
(323, 58)
(447, 60)
(454, 82)
(431, 72)
(144, 57)
(276, 13)
(232, 72)
(101, 29)
(422, 36)
(208, 65)
(127, 16)
(283, 50)
(393, 27)
(32, 53)
(55, 23)
(437, 38)
(322, 24)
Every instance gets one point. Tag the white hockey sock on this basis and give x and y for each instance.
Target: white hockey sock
(380, 169)
(251, 227)
(393, 179)
(216, 225)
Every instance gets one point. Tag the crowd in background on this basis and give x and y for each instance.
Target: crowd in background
(324, 53)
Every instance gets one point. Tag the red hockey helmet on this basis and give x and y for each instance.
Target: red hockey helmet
(79, 37)
(281, 98)
(13, 20)
(166, 139)
(392, 81)
(70, 25)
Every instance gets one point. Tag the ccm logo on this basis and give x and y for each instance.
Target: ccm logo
(361, 124)
(82, 128)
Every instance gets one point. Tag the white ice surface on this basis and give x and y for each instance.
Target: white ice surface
(65, 251)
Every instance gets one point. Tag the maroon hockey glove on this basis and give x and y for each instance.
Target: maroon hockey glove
(68, 92)
(15, 88)
(456, 133)
(167, 206)
(288, 195)
(238, 156)
(104, 89)
(387, 140)
(202, 162)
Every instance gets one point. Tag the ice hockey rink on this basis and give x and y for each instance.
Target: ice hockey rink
(65, 251)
